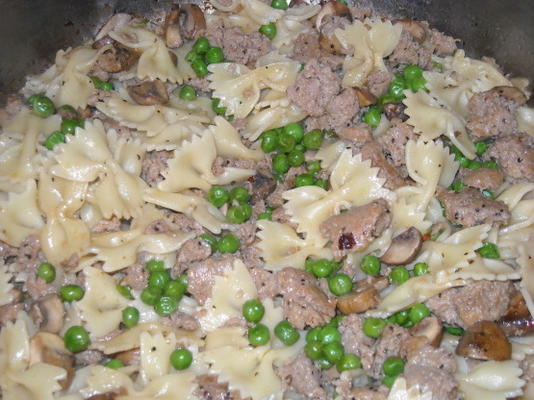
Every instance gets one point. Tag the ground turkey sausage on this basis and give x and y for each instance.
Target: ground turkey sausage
(394, 142)
(315, 87)
(154, 164)
(355, 341)
(491, 114)
(477, 301)
(373, 151)
(200, 276)
(390, 344)
(305, 304)
(355, 229)
(210, 389)
(378, 82)
(307, 48)
(303, 376)
(469, 207)
(481, 178)
(339, 113)
(515, 155)
(194, 250)
(136, 277)
(409, 51)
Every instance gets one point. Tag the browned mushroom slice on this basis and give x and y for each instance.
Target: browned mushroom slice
(512, 93)
(48, 312)
(517, 321)
(49, 348)
(108, 395)
(129, 357)
(116, 59)
(429, 328)
(149, 93)
(403, 248)
(484, 340)
(414, 28)
(358, 302)
(190, 20)
(173, 36)
(333, 7)
(365, 98)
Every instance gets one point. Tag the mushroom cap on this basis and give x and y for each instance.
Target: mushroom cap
(484, 340)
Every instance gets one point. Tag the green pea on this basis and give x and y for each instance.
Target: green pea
(229, 243)
(453, 330)
(335, 321)
(155, 265)
(329, 334)
(480, 148)
(488, 194)
(489, 250)
(314, 167)
(42, 106)
(412, 72)
(474, 164)
(210, 239)
(236, 215)
(300, 147)
(217, 109)
(418, 312)
(304, 180)
(348, 362)
(286, 143)
(214, 55)
(70, 293)
(373, 327)
(54, 138)
(457, 186)
(295, 130)
(247, 209)
(101, 85)
(181, 359)
(389, 381)
(333, 352)
(313, 334)
(393, 366)
(370, 265)
(150, 295)
(125, 291)
(401, 317)
(76, 339)
(417, 84)
(313, 139)
(68, 126)
(372, 116)
(490, 165)
(279, 4)
(268, 215)
(280, 163)
(268, 30)
(399, 275)
(68, 112)
(313, 350)
(287, 334)
(269, 141)
(385, 99)
(258, 335)
(188, 93)
(201, 46)
(253, 311)
(114, 364)
(183, 279)
(175, 289)
(166, 305)
(199, 67)
(218, 196)
(239, 194)
(192, 56)
(396, 89)
(420, 269)
(295, 158)
(47, 272)
(324, 363)
(322, 268)
(340, 284)
(321, 183)
(158, 279)
(130, 317)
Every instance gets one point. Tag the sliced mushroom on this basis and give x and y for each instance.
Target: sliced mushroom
(358, 302)
(365, 98)
(484, 340)
(49, 313)
(129, 357)
(333, 7)
(116, 21)
(109, 395)
(185, 22)
(149, 93)
(49, 348)
(517, 321)
(117, 58)
(414, 28)
(429, 328)
(173, 36)
(512, 93)
(403, 248)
